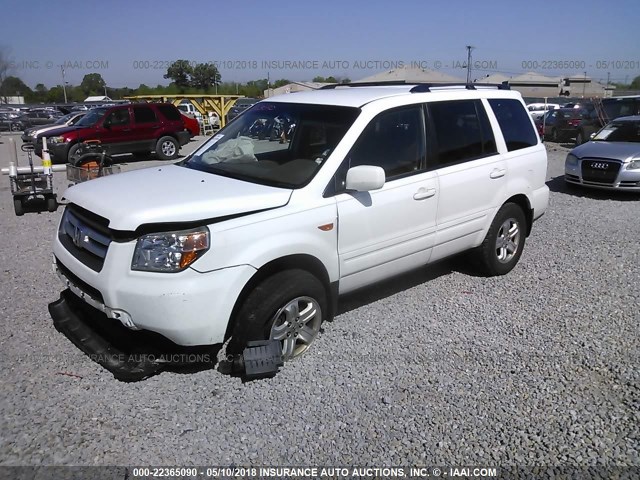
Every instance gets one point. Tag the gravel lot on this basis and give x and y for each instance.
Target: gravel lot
(438, 367)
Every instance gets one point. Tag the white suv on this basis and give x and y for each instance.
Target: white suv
(255, 235)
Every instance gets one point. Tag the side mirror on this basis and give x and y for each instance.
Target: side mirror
(364, 178)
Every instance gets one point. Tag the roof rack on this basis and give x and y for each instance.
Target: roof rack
(365, 84)
(421, 87)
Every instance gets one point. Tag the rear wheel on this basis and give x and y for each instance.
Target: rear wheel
(167, 148)
(288, 307)
(579, 138)
(504, 242)
(18, 206)
(15, 127)
(52, 204)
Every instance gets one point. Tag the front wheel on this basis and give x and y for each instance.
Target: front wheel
(504, 242)
(288, 307)
(167, 148)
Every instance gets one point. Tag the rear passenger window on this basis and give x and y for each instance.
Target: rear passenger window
(461, 131)
(515, 123)
(394, 140)
(144, 115)
(169, 111)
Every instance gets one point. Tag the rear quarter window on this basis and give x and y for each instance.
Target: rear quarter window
(515, 123)
(169, 112)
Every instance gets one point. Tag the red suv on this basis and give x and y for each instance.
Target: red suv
(133, 128)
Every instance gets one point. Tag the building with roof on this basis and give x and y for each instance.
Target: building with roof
(98, 98)
(294, 87)
(411, 75)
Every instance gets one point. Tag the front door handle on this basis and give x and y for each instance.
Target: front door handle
(424, 193)
(497, 173)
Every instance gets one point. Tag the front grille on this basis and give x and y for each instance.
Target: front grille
(600, 171)
(85, 237)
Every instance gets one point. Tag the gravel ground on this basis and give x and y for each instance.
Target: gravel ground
(438, 367)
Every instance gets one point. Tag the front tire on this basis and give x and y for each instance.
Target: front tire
(504, 242)
(287, 306)
(73, 155)
(167, 148)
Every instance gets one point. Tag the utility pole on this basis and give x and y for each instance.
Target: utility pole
(469, 48)
(64, 88)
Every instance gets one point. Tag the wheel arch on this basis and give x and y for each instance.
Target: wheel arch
(305, 262)
(523, 202)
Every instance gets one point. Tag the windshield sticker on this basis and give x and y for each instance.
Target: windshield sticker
(604, 133)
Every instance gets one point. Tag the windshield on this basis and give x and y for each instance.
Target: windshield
(277, 144)
(65, 119)
(620, 132)
(92, 117)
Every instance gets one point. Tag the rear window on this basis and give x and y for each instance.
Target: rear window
(169, 112)
(144, 115)
(462, 131)
(515, 123)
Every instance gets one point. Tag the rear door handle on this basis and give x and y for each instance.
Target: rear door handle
(497, 173)
(424, 193)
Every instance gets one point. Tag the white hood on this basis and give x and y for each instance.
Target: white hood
(170, 193)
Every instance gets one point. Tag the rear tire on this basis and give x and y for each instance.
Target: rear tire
(287, 306)
(52, 204)
(504, 242)
(167, 148)
(18, 206)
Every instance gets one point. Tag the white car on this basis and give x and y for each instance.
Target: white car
(537, 110)
(254, 239)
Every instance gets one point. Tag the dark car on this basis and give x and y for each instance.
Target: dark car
(34, 118)
(560, 125)
(133, 128)
(604, 111)
(33, 134)
(240, 106)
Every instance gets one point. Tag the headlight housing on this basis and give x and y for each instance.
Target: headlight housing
(170, 251)
(55, 140)
(634, 164)
(571, 160)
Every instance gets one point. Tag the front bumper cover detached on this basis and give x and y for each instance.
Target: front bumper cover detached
(129, 355)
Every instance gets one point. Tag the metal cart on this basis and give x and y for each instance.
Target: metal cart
(31, 185)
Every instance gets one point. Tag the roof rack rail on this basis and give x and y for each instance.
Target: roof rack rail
(419, 87)
(365, 84)
(426, 87)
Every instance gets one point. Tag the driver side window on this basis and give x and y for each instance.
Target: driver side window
(118, 118)
(394, 140)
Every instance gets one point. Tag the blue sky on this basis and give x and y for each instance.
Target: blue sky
(131, 42)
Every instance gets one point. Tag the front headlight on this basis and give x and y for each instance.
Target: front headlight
(33, 134)
(55, 140)
(170, 251)
(634, 165)
(571, 160)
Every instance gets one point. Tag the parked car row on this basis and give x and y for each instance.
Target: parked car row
(14, 121)
(581, 120)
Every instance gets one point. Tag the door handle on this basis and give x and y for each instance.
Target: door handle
(497, 173)
(424, 193)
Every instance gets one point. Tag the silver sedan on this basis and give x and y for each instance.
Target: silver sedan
(611, 160)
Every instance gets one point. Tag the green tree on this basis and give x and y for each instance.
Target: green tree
(635, 83)
(205, 76)
(318, 79)
(93, 84)
(13, 86)
(179, 72)
(281, 83)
